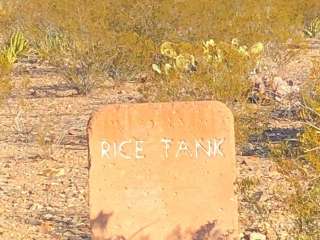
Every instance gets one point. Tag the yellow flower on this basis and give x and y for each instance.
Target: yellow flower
(167, 49)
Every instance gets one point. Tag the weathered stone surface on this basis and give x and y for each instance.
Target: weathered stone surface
(156, 167)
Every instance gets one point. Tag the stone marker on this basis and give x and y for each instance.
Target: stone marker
(158, 167)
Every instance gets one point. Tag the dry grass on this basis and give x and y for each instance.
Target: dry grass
(299, 162)
(92, 41)
(62, 31)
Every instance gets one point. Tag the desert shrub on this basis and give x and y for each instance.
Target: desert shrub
(107, 22)
(193, 20)
(86, 66)
(299, 162)
(129, 39)
(207, 70)
(52, 45)
(125, 41)
(304, 204)
(82, 76)
(83, 67)
(131, 54)
(126, 17)
(303, 193)
(310, 138)
(309, 200)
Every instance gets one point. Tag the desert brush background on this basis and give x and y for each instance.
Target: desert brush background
(60, 60)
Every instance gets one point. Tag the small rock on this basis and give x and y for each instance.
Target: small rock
(257, 196)
(282, 88)
(277, 81)
(48, 216)
(258, 83)
(248, 150)
(34, 222)
(295, 89)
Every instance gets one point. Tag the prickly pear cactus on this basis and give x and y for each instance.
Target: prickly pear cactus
(176, 60)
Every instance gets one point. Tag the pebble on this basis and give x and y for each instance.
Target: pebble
(33, 221)
(282, 88)
(48, 216)
(279, 87)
